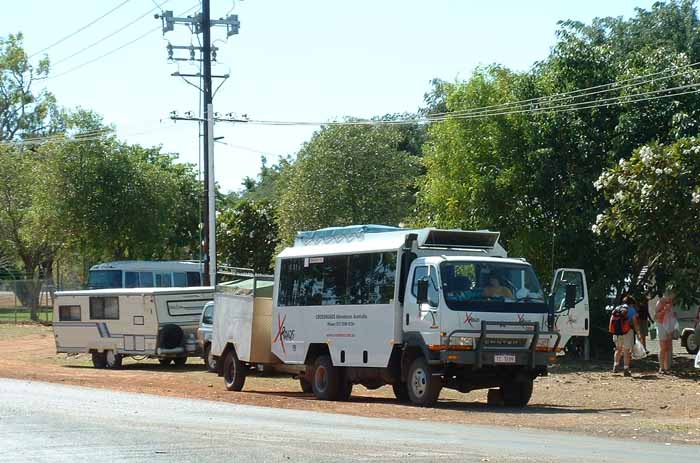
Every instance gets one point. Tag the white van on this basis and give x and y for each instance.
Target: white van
(115, 323)
(418, 309)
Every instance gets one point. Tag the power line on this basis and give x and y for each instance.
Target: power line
(110, 35)
(614, 86)
(112, 51)
(79, 30)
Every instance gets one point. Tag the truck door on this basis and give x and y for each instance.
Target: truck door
(425, 318)
(574, 322)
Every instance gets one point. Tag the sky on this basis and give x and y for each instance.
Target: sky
(292, 60)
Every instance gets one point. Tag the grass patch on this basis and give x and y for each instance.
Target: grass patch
(22, 314)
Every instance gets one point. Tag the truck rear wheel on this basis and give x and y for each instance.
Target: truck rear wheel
(326, 379)
(99, 360)
(234, 372)
(400, 391)
(113, 361)
(517, 393)
(423, 387)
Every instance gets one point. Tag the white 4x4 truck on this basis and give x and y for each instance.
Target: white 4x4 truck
(418, 309)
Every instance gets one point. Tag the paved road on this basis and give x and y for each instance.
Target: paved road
(56, 423)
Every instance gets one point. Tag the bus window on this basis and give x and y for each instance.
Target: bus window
(179, 279)
(104, 279)
(146, 279)
(131, 280)
(163, 280)
(194, 279)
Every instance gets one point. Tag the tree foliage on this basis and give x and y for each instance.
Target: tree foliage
(653, 201)
(246, 235)
(348, 175)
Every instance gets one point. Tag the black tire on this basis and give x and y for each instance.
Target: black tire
(165, 362)
(691, 344)
(423, 388)
(517, 392)
(326, 379)
(209, 360)
(113, 361)
(305, 385)
(401, 392)
(180, 361)
(345, 391)
(234, 372)
(99, 360)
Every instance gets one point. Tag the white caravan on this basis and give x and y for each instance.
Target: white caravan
(114, 323)
(418, 309)
(145, 274)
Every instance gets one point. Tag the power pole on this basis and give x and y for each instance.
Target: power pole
(202, 23)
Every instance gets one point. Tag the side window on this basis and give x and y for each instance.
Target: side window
(146, 279)
(104, 308)
(179, 279)
(163, 280)
(131, 280)
(564, 278)
(433, 294)
(69, 313)
(208, 317)
(194, 279)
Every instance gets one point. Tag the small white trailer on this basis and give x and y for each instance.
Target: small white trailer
(417, 309)
(111, 324)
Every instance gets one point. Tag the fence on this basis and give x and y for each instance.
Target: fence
(16, 297)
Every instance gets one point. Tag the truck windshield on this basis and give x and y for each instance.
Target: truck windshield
(104, 279)
(491, 286)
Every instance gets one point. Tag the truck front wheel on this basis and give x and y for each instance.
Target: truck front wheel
(326, 379)
(423, 387)
(234, 372)
(517, 392)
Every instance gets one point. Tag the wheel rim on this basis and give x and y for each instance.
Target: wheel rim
(321, 378)
(419, 382)
(111, 357)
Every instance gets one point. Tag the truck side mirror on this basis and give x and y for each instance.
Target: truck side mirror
(422, 291)
(570, 298)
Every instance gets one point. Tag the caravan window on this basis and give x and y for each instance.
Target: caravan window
(104, 308)
(194, 279)
(179, 279)
(346, 279)
(69, 313)
(131, 280)
(163, 280)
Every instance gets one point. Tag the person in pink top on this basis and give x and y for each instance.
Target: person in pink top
(665, 324)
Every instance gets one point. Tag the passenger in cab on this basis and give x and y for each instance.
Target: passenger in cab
(495, 289)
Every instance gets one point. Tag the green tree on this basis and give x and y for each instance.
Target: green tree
(653, 202)
(246, 235)
(348, 175)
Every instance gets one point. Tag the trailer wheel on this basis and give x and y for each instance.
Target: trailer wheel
(234, 372)
(401, 391)
(326, 379)
(209, 360)
(165, 362)
(305, 385)
(691, 344)
(99, 360)
(113, 361)
(180, 361)
(517, 393)
(423, 388)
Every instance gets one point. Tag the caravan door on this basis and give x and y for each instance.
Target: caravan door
(574, 322)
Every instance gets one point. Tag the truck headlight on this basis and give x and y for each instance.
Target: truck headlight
(462, 341)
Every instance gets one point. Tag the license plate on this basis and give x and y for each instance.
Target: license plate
(504, 358)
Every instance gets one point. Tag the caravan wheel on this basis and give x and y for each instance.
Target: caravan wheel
(180, 361)
(165, 362)
(99, 360)
(234, 372)
(112, 360)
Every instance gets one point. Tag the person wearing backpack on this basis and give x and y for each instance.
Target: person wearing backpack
(622, 319)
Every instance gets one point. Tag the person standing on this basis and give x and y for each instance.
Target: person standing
(665, 324)
(644, 320)
(622, 321)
